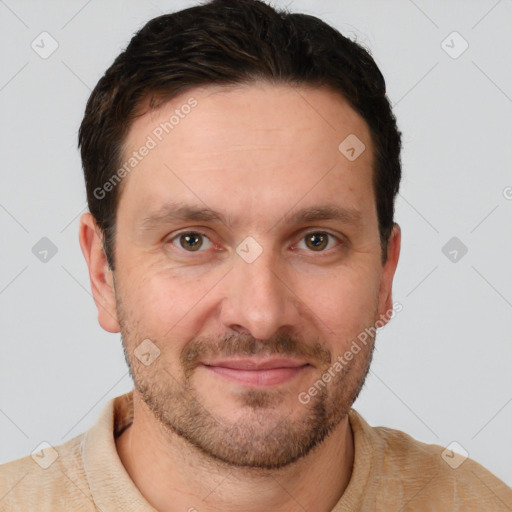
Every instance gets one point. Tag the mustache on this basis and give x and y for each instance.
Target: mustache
(199, 349)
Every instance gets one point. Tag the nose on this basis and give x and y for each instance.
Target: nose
(259, 298)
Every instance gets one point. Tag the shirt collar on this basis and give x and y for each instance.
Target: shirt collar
(110, 484)
(113, 489)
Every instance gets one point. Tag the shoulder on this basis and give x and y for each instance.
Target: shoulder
(50, 479)
(426, 474)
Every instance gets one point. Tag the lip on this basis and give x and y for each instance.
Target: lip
(254, 364)
(254, 373)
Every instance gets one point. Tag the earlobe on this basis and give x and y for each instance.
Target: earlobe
(388, 272)
(101, 277)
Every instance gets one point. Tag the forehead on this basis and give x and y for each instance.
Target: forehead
(249, 149)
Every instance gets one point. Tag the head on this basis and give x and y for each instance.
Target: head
(241, 167)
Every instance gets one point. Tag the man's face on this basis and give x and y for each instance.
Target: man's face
(257, 285)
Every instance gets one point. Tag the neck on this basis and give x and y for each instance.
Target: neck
(173, 475)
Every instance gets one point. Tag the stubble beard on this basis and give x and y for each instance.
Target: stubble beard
(266, 437)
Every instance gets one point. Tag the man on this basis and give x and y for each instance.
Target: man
(241, 167)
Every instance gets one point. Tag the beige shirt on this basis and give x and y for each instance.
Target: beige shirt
(392, 471)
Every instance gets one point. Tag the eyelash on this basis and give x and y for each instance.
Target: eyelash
(194, 232)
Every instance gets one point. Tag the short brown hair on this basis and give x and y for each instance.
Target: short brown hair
(232, 42)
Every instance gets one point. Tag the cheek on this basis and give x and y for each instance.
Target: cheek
(344, 303)
(161, 304)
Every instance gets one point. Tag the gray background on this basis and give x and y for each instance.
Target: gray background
(442, 369)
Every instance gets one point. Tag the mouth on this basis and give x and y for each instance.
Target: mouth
(257, 373)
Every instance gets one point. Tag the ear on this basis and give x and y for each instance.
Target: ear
(101, 277)
(388, 272)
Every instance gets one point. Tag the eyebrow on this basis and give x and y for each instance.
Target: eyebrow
(174, 212)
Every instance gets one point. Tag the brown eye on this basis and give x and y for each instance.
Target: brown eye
(190, 241)
(317, 241)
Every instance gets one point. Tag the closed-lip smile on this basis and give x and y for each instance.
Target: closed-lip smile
(252, 372)
(253, 364)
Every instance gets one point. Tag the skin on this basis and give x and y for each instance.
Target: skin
(255, 153)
